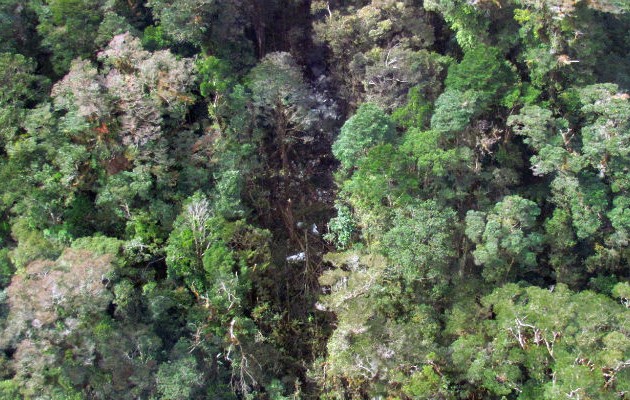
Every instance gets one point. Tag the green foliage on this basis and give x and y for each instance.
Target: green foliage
(587, 198)
(481, 80)
(186, 20)
(454, 110)
(178, 380)
(464, 19)
(69, 29)
(378, 50)
(193, 234)
(506, 238)
(217, 261)
(534, 338)
(390, 73)
(482, 70)
(415, 113)
(121, 191)
(537, 125)
(605, 137)
(112, 25)
(420, 242)
(377, 333)
(622, 291)
(562, 241)
(227, 200)
(216, 82)
(280, 93)
(32, 244)
(21, 88)
(217, 25)
(425, 384)
(6, 268)
(381, 180)
(154, 38)
(20, 83)
(10, 390)
(214, 75)
(432, 160)
(549, 136)
(17, 28)
(341, 227)
(368, 127)
(98, 245)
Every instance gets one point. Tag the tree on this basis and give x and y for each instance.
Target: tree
(131, 117)
(21, 89)
(214, 259)
(560, 237)
(551, 137)
(454, 111)
(368, 127)
(6, 268)
(341, 227)
(17, 27)
(483, 70)
(185, 20)
(63, 306)
(285, 105)
(545, 344)
(380, 182)
(464, 18)
(22, 131)
(391, 73)
(179, 379)
(377, 49)
(377, 338)
(218, 26)
(605, 137)
(69, 29)
(216, 84)
(191, 237)
(481, 80)
(587, 198)
(123, 192)
(138, 91)
(505, 238)
(420, 244)
(584, 170)
(437, 165)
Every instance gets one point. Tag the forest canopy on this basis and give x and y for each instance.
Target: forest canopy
(307, 199)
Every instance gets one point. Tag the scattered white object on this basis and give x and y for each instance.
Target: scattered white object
(296, 258)
(314, 230)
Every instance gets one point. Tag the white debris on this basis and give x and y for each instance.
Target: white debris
(296, 258)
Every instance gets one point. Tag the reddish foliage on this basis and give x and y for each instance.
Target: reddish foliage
(117, 164)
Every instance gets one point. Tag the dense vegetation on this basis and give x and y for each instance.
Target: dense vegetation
(295, 199)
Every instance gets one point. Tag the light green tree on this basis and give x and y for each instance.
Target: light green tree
(537, 343)
(421, 243)
(507, 241)
(368, 127)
